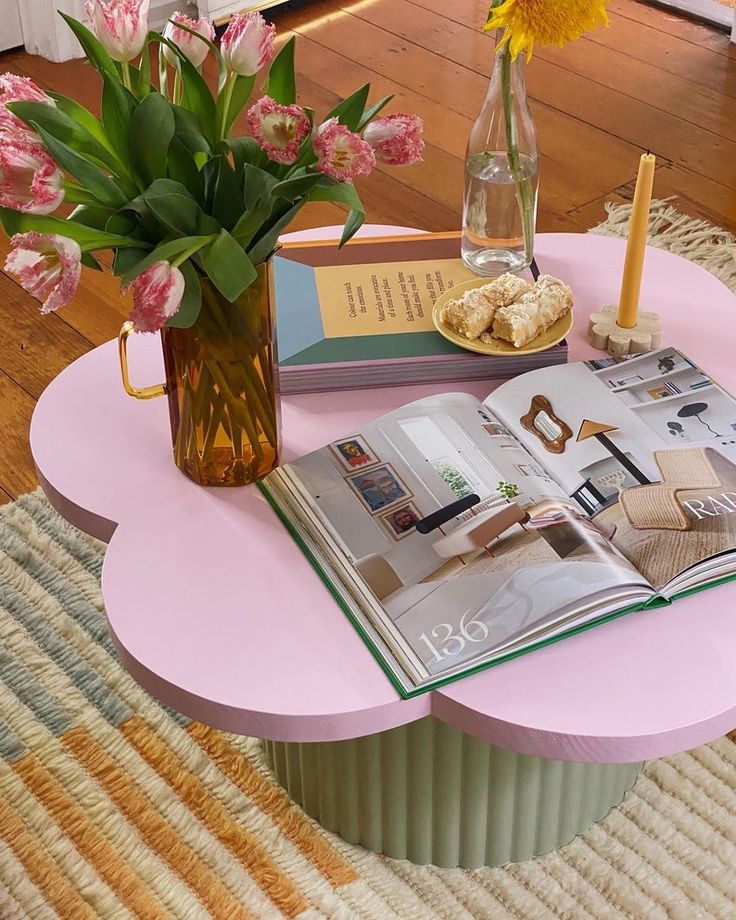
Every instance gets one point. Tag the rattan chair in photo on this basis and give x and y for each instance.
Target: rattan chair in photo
(656, 506)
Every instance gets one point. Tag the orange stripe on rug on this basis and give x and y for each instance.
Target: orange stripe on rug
(42, 869)
(241, 843)
(93, 845)
(157, 833)
(273, 800)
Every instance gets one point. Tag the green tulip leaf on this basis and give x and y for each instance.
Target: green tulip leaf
(102, 187)
(266, 243)
(87, 237)
(350, 111)
(281, 84)
(246, 152)
(296, 186)
(89, 260)
(150, 130)
(118, 104)
(222, 192)
(342, 193)
(82, 116)
(96, 54)
(183, 169)
(371, 113)
(256, 183)
(189, 131)
(228, 267)
(91, 216)
(140, 76)
(235, 98)
(175, 208)
(165, 252)
(59, 125)
(126, 259)
(191, 302)
(74, 193)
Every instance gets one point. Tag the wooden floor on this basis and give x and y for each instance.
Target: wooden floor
(652, 80)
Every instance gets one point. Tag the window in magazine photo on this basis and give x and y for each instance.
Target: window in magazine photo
(453, 457)
(401, 521)
(379, 488)
(354, 453)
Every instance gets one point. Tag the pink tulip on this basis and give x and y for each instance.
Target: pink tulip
(18, 89)
(30, 180)
(48, 267)
(195, 49)
(342, 153)
(396, 139)
(157, 294)
(278, 129)
(247, 44)
(121, 26)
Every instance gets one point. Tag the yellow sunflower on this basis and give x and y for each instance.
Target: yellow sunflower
(549, 22)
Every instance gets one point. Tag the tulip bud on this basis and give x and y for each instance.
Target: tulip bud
(18, 89)
(194, 48)
(121, 26)
(342, 153)
(48, 267)
(157, 294)
(30, 180)
(396, 139)
(247, 44)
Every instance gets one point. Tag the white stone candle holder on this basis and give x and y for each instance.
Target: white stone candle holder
(605, 333)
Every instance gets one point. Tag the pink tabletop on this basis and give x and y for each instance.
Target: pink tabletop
(216, 612)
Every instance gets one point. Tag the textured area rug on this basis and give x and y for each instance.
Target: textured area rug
(670, 229)
(112, 806)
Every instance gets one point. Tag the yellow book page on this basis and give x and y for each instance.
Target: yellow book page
(385, 298)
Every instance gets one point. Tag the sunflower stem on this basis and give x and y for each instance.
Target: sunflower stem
(521, 182)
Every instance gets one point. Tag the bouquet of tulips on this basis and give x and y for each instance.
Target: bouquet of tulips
(190, 211)
(159, 179)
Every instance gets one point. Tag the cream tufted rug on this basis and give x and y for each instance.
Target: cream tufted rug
(113, 807)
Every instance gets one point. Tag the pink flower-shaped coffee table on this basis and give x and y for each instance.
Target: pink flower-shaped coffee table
(215, 611)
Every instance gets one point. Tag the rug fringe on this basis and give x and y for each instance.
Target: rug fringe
(689, 237)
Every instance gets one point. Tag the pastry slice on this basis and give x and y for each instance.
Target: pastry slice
(470, 315)
(475, 311)
(536, 310)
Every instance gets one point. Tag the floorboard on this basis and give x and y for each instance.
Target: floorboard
(651, 80)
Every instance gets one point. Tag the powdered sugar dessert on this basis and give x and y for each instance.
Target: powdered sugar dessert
(531, 314)
(509, 308)
(473, 313)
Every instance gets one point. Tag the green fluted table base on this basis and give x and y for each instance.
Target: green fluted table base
(432, 794)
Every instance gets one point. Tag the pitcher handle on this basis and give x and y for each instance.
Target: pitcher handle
(151, 392)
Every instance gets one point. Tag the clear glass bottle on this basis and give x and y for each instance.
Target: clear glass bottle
(501, 175)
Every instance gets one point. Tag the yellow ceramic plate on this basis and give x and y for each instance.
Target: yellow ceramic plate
(556, 332)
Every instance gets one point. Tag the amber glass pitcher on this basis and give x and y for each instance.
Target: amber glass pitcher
(222, 386)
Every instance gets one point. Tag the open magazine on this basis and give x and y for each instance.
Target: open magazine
(456, 534)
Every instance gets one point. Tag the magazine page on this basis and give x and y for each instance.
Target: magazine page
(646, 448)
(459, 536)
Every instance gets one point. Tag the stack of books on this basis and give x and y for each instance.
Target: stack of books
(361, 316)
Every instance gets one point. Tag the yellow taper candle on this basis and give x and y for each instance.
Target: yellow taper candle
(628, 304)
